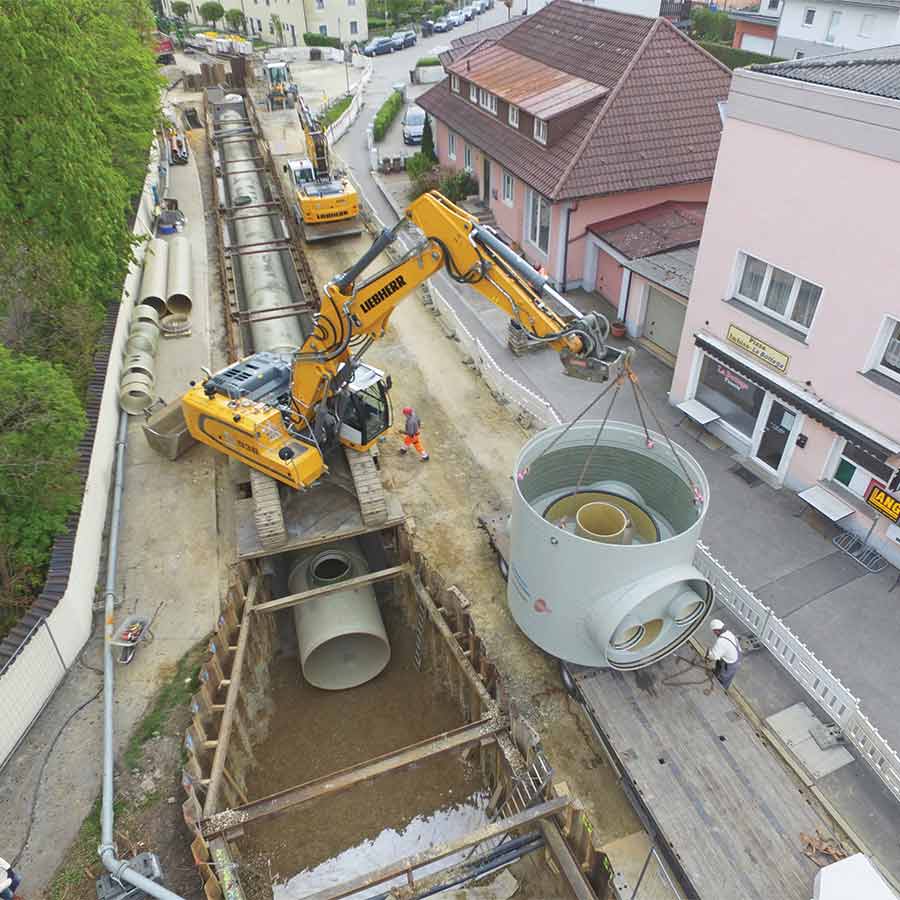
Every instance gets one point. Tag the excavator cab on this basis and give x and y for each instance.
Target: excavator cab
(366, 407)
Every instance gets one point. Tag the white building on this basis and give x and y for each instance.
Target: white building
(819, 27)
(344, 19)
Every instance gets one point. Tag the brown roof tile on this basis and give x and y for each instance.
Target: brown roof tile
(657, 229)
(660, 124)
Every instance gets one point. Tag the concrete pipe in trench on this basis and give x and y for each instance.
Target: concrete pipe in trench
(179, 287)
(135, 393)
(155, 277)
(341, 635)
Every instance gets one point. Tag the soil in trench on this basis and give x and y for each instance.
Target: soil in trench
(473, 442)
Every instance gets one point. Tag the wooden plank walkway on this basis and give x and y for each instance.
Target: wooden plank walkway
(729, 812)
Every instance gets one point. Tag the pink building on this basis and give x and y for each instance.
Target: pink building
(791, 347)
(575, 115)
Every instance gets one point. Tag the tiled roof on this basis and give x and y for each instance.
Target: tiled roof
(660, 124)
(863, 71)
(654, 230)
(539, 89)
(494, 33)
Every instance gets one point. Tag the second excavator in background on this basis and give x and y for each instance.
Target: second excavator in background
(285, 414)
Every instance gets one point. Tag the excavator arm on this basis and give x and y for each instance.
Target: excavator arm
(279, 414)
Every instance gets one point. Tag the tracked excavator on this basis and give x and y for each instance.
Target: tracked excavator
(284, 415)
(327, 204)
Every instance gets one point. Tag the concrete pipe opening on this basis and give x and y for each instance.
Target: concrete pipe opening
(179, 287)
(146, 315)
(341, 635)
(135, 394)
(143, 338)
(139, 363)
(154, 279)
(578, 587)
(603, 522)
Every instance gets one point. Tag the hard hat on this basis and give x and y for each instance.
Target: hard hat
(407, 410)
(716, 625)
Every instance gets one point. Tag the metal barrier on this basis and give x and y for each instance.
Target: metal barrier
(807, 669)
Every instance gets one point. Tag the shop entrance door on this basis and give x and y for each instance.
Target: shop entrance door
(775, 434)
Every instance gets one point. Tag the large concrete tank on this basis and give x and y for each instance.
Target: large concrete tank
(341, 635)
(265, 284)
(603, 533)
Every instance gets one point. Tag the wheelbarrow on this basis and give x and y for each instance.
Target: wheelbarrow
(134, 631)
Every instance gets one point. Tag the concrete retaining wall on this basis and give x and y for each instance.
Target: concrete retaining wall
(342, 124)
(32, 676)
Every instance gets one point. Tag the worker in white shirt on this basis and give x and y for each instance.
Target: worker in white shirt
(726, 652)
(9, 881)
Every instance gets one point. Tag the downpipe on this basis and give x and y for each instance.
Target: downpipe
(120, 869)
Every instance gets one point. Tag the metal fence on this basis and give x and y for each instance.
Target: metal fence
(831, 695)
(38, 661)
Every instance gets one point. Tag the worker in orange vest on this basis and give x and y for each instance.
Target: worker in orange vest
(411, 436)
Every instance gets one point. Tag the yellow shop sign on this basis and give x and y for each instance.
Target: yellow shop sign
(887, 504)
(755, 347)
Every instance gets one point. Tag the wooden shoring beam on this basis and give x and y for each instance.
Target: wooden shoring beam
(336, 782)
(568, 865)
(326, 589)
(406, 865)
(217, 770)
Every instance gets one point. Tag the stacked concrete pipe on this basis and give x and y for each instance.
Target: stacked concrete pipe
(341, 635)
(155, 277)
(179, 290)
(138, 378)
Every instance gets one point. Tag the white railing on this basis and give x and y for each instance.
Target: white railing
(829, 692)
(342, 123)
(31, 677)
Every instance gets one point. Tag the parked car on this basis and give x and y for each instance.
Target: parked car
(456, 18)
(468, 13)
(426, 26)
(413, 124)
(402, 39)
(480, 7)
(442, 25)
(378, 46)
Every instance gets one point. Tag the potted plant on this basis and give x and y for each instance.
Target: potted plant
(618, 329)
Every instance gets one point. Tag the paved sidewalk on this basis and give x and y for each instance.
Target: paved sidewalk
(168, 567)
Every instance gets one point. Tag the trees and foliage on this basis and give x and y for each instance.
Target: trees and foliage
(428, 142)
(708, 25)
(457, 185)
(734, 57)
(427, 61)
(72, 164)
(180, 9)
(386, 114)
(334, 110)
(39, 435)
(211, 11)
(311, 39)
(236, 20)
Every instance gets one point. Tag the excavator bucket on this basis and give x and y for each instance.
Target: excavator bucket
(594, 368)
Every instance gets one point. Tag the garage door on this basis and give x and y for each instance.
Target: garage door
(756, 44)
(664, 321)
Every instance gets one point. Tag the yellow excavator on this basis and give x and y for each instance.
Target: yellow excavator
(283, 414)
(327, 204)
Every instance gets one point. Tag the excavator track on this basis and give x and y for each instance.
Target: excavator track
(369, 489)
(267, 510)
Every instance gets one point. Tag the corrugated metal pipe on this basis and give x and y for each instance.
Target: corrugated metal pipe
(119, 869)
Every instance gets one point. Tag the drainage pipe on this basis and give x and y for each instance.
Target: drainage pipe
(179, 284)
(119, 869)
(153, 282)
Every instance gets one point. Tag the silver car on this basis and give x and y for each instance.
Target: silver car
(413, 124)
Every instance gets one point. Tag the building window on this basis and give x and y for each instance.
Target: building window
(467, 158)
(454, 83)
(857, 469)
(473, 92)
(540, 131)
(514, 116)
(354, 26)
(487, 101)
(538, 221)
(320, 4)
(833, 24)
(323, 30)
(809, 16)
(735, 399)
(885, 356)
(351, 2)
(451, 145)
(507, 188)
(773, 4)
(777, 293)
(867, 26)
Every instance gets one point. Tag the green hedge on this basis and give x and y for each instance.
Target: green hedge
(735, 58)
(321, 40)
(334, 110)
(428, 61)
(386, 114)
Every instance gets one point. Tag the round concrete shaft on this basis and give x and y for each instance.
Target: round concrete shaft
(341, 635)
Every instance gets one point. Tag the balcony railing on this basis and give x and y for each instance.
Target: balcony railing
(675, 10)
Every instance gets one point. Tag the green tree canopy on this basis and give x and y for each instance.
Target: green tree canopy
(39, 435)
(181, 8)
(236, 20)
(211, 11)
(428, 142)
